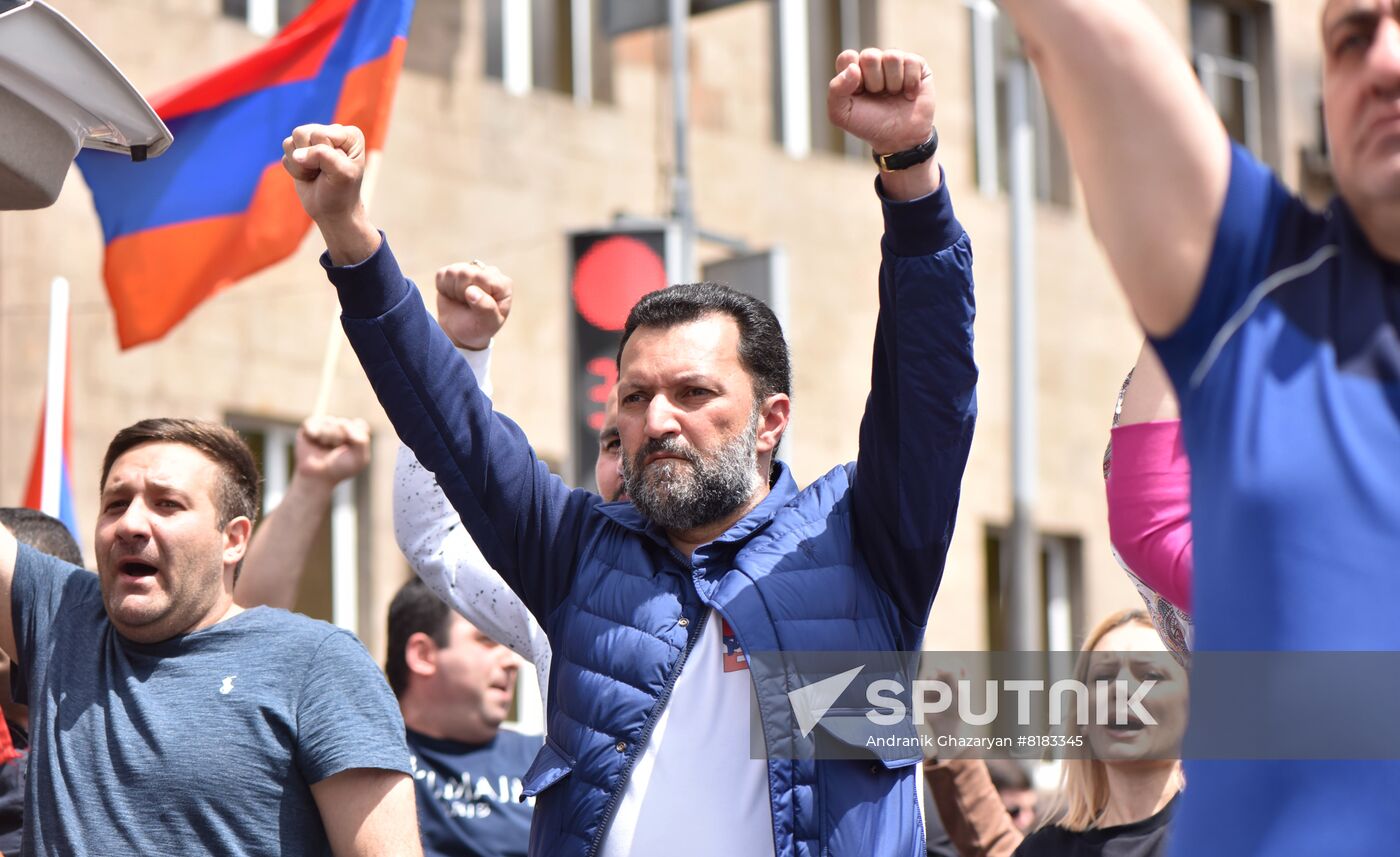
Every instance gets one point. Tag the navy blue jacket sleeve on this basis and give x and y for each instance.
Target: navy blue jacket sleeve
(527, 523)
(917, 429)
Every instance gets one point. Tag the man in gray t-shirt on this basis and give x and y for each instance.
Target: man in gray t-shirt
(167, 720)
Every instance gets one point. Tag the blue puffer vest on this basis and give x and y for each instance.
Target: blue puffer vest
(786, 578)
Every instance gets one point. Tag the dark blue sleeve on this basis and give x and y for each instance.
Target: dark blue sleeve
(528, 524)
(1240, 260)
(917, 428)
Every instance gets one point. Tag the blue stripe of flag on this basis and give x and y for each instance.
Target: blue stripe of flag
(218, 156)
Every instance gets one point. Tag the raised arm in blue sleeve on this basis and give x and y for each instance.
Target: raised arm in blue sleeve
(917, 428)
(525, 520)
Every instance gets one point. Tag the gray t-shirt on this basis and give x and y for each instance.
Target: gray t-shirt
(203, 744)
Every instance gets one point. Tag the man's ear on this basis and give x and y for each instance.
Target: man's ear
(420, 654)
(236, 535)
(773, 421)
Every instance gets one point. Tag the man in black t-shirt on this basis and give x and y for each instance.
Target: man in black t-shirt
(455, 686)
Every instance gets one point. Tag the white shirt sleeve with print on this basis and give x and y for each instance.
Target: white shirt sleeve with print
(442, 553)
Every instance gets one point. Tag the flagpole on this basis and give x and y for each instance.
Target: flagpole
(334, 337)
(328, 363)
(51, 487)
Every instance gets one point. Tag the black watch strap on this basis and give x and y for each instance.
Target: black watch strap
(909, 157)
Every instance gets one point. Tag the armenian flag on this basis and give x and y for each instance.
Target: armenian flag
(217, 206)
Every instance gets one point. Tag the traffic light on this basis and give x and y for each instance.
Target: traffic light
(610, 270)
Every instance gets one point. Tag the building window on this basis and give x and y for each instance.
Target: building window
(434, 37)
(1231, 43)
(264, 17)
(551, 55)
(809, 35)
(994, 48)
(330, 585)
(1060, 584)
(1317, 183)
(554, 45)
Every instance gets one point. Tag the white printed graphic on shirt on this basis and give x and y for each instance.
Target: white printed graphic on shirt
(467, 796)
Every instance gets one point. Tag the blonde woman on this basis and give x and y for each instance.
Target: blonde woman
(1115, 804)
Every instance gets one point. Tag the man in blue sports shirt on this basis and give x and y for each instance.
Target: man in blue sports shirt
(648, 602)
(1280, 329)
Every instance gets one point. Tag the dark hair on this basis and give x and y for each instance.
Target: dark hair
(44, 533)
(237, 494)
(415, 609)
(763, 352)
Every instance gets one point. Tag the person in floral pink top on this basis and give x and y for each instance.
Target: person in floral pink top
(1148, 481)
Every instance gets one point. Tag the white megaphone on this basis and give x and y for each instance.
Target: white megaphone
(59, 93)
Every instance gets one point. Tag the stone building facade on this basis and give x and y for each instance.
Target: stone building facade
(497, 153)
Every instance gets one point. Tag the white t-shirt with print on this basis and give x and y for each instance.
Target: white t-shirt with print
(696, 791)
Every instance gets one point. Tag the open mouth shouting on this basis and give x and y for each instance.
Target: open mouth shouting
(1125, 731)
(136, 572)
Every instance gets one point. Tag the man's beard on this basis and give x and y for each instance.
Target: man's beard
(683, 495)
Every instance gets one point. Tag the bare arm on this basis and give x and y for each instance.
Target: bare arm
(1149, 397)
(369, 812)
(9, 554)
(1149, 149)
(329, 450)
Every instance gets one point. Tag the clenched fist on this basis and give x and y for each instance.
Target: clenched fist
(473, 302)
(327, 165)
(886, 98)
(330, 450)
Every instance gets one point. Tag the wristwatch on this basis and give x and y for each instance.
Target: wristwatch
(909, 157)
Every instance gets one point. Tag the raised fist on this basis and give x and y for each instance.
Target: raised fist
(885, 98)
(331, 449)
(473, 302)
(327, 164)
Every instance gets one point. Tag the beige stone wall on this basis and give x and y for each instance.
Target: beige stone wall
(472, 172)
